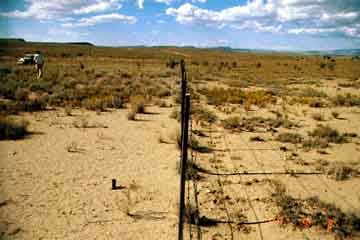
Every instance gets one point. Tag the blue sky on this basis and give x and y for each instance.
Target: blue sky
(259, 24)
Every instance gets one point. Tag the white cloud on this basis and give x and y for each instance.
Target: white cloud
(90, 21)
(167, 2)
(327, 16)
(96, 7)
(54, 9)
(140, 4)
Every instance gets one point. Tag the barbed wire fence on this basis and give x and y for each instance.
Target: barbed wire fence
(189, 169)
(190, 211)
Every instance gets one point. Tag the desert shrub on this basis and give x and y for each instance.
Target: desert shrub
(311, 92)
(251, 124)
(33, 105)
(94, 104)
(117, 102)
(175, 114)
(65, 55)
(257, 139)
(8, 88)
(315, 143)
(335, 114)
(163, 104)
(316, 103)
(293, 138)
(238, 83)
(12, 129)
(232, 122)
(203, 114)
(163, 92)
(68, 110)
(322, 65)
(131, 115)
(21, 94)
(326, 132)
(341, 172)
(41, 86)
(195, 63)
(138, 104)
(171, 63)
(318, 117)
(347, 100)
(195, 145)
(125, 75)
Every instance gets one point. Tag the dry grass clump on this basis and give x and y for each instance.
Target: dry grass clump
(293, 138)
(321, 136)
(313, 102)
(318, 117)
(102, 103)
(254, 123)
(175, 114)
(311, 92)
(232, 122)
(341, 171)
(137, 105)
(203, 114)
(313, 143)
(13, 129)
(329, 134)
(348, 100)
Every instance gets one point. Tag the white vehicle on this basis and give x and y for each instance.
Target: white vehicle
(26, 59)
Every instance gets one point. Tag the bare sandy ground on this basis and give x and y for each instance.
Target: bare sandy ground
(56, 184)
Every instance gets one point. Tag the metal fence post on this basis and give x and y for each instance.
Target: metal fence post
(183, 93)
(184, 155)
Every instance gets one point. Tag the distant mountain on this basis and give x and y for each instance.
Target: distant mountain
(338, 52)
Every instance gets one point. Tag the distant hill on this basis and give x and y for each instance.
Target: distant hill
(12, 40)
(21, 40)
(337, 52)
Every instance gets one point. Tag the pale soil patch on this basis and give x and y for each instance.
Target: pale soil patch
(49, 192)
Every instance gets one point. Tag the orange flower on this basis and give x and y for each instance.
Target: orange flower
(281, 220)
(306, 222)
(330, 224)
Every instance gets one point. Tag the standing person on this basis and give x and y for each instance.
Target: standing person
(39, 64)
